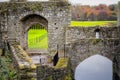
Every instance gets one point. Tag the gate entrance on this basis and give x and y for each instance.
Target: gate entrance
(34, 32)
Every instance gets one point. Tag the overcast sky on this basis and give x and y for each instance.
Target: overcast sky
(86, 2)
(94, 2)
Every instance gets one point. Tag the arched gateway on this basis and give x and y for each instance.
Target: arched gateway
(34, 27)
(52, 17)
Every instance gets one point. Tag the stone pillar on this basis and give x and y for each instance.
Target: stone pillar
(118, 19)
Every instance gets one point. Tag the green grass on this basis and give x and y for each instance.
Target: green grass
(62, 63)
(93, 23)
(37, 39)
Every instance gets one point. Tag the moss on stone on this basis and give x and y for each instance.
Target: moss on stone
(22, 55)
(24, 5)
(62, 63)
(94, 41)
(68, 77)
(33, 79)
(50, 78)
(63, 3)
(49, 60)
(0, 52)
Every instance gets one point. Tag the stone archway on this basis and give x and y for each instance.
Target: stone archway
(95, 67)
(26, 23)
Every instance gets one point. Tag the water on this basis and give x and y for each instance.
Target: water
(94, 68)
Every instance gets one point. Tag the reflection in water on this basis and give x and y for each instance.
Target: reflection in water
(94, 68)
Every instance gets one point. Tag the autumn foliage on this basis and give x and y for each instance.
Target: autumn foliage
(101, 12)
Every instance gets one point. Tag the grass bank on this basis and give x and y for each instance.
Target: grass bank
(92, 23)
(37, 39)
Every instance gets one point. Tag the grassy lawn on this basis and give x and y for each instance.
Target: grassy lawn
(93, 23)
(37, 39)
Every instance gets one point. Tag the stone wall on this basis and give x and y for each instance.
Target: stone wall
(56, 13)
(3, 29)
(76, 33)
(85, 48)
(81, 43)
(49, 73)
(26, 69)
(0, 34)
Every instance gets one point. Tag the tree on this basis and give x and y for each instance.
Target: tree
(100, 12)
(102, 15)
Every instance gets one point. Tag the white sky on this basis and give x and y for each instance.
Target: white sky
(85, 2)
(94, 2)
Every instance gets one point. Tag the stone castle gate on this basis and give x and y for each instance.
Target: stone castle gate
(18, 17)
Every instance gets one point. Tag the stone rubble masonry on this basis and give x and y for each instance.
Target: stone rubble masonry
(18, 17)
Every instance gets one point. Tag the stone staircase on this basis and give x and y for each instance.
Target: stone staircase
(27, 61)
(25, 65)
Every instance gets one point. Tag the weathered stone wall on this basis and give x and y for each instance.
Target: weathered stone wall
(85, 48)
(53, 74)
(0, 37)
(76, 33)
(81, 44)
(57, 14)
(22, 62)
(3, 28)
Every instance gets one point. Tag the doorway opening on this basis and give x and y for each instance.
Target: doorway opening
(37, 37)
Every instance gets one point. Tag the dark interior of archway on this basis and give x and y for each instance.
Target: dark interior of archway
(34, 18)
(37, 37)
